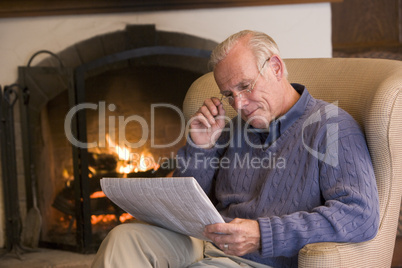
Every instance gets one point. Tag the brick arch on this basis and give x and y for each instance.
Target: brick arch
(109, 44)
(133, 37)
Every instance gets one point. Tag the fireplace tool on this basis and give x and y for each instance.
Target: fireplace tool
(8, 98)
(33, 222)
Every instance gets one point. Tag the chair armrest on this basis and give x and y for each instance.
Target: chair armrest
(325, 254)
(373, 253)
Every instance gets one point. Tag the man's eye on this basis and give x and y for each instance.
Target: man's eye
(244, 87)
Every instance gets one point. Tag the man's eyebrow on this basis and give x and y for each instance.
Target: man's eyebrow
(226, 92)
(239, 85)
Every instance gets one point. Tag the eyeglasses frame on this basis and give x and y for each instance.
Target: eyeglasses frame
(230, 99)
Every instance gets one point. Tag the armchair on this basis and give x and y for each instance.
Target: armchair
(371, 91)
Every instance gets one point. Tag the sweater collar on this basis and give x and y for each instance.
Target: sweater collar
(281, 124)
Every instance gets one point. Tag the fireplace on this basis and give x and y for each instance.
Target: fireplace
(107, 107)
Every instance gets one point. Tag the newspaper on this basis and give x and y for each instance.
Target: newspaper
(178, 204)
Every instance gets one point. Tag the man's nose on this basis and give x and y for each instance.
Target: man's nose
(239, 102)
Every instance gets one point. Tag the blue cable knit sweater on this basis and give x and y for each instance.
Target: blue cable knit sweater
(314, 183)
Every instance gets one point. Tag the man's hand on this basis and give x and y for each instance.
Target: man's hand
(241, 236)
(207, 124)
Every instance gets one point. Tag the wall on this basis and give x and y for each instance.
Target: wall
(364, 27)
(301, 31)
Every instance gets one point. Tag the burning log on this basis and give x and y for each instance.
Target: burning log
(103, 162)
(109, 165)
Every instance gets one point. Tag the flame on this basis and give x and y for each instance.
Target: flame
(123, 153)
(124, 165)
(131, 162)
(145, 162)
(127, 162)
(125, 169)
(68, 179)
(108, 218)
(98, 194)
(102, 218)
(125, 216)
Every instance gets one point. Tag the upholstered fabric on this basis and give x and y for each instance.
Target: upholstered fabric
(371, 91)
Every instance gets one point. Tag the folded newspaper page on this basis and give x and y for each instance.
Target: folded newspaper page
(178, 204)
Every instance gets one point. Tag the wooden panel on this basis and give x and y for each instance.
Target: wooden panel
(20, 8)
(397, 259)
(366, 23)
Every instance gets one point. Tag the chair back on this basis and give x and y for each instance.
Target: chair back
(371, 91)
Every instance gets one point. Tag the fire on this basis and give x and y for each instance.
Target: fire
(129, 161)
(108, 218)
(125, 217)
(145, 162)
(102, 218)
(98, 194)
(123, 153)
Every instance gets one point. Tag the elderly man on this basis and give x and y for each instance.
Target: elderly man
(323, 189)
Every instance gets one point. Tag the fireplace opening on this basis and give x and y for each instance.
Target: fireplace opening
(152, 96)
(117, 115)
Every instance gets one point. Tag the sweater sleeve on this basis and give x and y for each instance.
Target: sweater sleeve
(198, 163)
(350, 210)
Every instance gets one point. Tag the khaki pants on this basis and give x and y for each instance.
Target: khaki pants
(139, 245)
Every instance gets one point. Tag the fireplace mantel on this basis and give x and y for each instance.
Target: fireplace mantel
(29, 8)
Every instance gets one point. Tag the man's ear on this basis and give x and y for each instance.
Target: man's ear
(276, 66)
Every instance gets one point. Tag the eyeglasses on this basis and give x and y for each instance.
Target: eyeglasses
(242, 93)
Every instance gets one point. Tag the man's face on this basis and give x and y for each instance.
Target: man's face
(239, 71)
